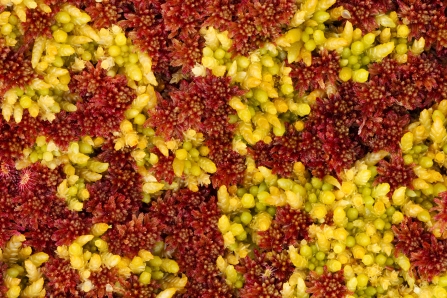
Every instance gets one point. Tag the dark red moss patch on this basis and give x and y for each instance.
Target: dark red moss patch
(189, 223)
(38, 23)
(329, 284)
(259, 22)
(410, 235)
(103, 100)
(322, 73)
(363, 12)
(288, 228)
(426, 19)
(134, 289)
(15, 69)
(62, 279)
(441, 211)
(265, 274)
(148, 31)
(395, 172)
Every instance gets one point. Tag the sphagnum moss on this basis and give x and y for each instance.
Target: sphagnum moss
(216, 149)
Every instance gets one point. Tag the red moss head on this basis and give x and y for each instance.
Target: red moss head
(333, 122)
(221, 13)
(259, 22)
(284, 153)
(281, 153)
(426, 19)
(193, 211)
(395, 172)
(273, 14)
(332, 133)
(40, 227)
(163, 169)
(189, 221)
(261, 154)
(40, 239)
(245, 35)
(410, 235)
(148, 32)
(186, 51)
(183, 16)
(15, 69)
(415, 84)
(116, 209)
(134, 289)
(104, 14)
(216, 92)
(384, 130)
(321, 74)
(189, 108)
(62, 279)
(105, 283)
(312, 154)
(142, 232)
(38, 23)
(63, 130)
(72, 225)
(328, 284)
(103, 100)
(289, 227)
(362, 13)
(265, 274)
(164, 118)
(373, 97)
(230, 168)
(121, 180)
(441, 211)
(190, 105)
(430, 260)
(35, 194)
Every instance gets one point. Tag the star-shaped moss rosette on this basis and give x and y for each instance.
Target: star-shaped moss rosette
(223, 148)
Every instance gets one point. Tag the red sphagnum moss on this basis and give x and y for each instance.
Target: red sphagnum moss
(328, 284)
(431, 259)
(134, 289)
(281, 153)
(395, 172)
(38, 23)
(15, 68)
(148, 31)
(63, 280)
(426, 19)
(265, 274)
(362, 13)
(105, 282)
(189, 221)
(288, 227)
(347, 107)
(321, 74)
(103, 100)
(441, 211)
(410, 236)
(105, 13)
(142, 232)
(259, 22)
